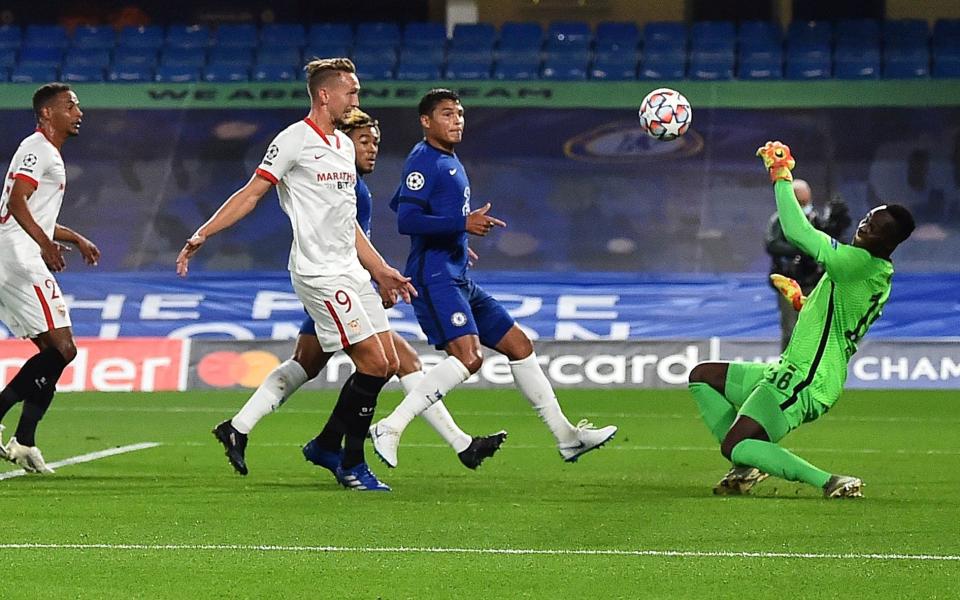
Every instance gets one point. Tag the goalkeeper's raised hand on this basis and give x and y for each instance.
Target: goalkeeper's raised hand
(777, 159)
(790, 290)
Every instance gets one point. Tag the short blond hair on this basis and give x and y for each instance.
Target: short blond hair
(321, 70)
(357, 119)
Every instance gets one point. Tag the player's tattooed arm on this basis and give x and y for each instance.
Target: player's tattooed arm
(88, 250)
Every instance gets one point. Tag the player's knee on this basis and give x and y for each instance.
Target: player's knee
(393, 366)
(311, 368)
(713, 374)
(472, 360)
(67, 349)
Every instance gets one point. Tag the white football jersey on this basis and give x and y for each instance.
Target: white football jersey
(38, 162)
(315, 175)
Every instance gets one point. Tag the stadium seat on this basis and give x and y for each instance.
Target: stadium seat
(520, 36)
(94, 37)
(326, 50)
(45, 36)
(278, 56)
(477, 36)
(272, 73)
(809, 66)
(517, 70)
(468, 69)
(375, 67)
(418, 71)
(35, 56)
(236, 35)
(946, 62)
(864, 30)
(713, 36)
(424, 35)
(901, 63)
(856, 65)
(8, 58)
(816, 33)
(946, 33)
(423, 55)
(662, 37)
(176, 74)
(282, 35)
(565, 67)
(614, 67)
(613, 36)
(143, 37)
(10, 37)
(127, 57)
(187, 36)
(195, 57)
(225, 72)
(568, 36)
(87, 57)
(663, 65)
(81, 74)
(130, 74)
(4, 75)
(330, 33)
(905, 34)
(467, 55)
(711, 65)
(231, 55)
(377, 34)
(761, 66)
(760, 35)
(33, 74)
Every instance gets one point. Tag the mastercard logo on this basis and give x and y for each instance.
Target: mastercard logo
(228, 369)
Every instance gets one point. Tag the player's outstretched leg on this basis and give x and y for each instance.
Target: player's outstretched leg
(843, 486)
(285, 379)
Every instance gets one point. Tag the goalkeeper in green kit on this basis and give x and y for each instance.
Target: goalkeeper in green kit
(750, 407)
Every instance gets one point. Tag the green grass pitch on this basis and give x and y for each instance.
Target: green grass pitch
(635, 519)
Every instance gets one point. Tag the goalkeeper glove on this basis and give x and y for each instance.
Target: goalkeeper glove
(790, 290)
(776, 158)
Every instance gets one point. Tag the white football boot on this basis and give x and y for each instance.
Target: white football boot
(843, 486)
(28, 457)
(588, 438)
(386, 441)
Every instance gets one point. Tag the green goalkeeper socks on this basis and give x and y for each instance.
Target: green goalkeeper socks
(717, 412)
(780, 462)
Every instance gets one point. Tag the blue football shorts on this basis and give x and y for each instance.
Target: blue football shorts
(450, 309)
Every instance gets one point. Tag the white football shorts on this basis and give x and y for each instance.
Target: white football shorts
(31, 301)
(345, 308)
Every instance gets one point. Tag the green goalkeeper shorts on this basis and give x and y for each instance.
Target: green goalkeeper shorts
(752, 389)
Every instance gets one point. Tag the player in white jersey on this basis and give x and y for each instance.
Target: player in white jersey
(331, 259)
(31, 302)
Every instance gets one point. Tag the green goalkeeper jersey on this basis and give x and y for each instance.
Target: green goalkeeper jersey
(839, 311)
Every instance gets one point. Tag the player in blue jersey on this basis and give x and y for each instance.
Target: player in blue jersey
(309, 358)
(433, 208)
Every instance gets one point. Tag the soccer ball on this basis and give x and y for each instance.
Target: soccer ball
(665, 114)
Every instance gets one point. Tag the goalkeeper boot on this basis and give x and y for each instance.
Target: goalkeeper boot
(28, 457)
(321, 457)
(386, 441)
(843, 486)
(481, 448)
(588, 438)
(360, 478)
(739, 480)
(235, 444)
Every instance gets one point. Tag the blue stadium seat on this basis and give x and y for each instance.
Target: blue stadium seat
(287, 35)
(8, 58)
(420, 35)
(194, 57)
(418, 71)
(374, 67)
(663, 65)
(905, 33)
(326, 50)
(176, 74)
(710, 65)
(187, 36)
(423, 55)
(10, 36)
(758, 34)
(4, 75)
(87, 57)
(81, 74)
(236, 35)
(130, 74)
(94, 37)
(340, 34)
(565, 67)
(222, 72)
(470, 55)
(140, 57)
(45, 36)
(614, 67)
(613, 36)
(41, 57)
(903, 63)
(473, 35)
(274, 73)
(568, 36)
(867, 30)
(713, 36)
(468, 70)
(377, 34)
(517, 70)
(231, 55)
(946, 62)
(850, 64)
(144, 37)
(809, 66)
(812, 32)
(520, 36)
(33, 74)
(946, 34)
(760, 65)
(664, 37)
(279, 56)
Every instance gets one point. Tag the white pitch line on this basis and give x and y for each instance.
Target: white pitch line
(494, 551)
(74, 460)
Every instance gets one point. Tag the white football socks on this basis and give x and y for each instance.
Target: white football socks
(434, 385)
(283, 381)
(535, 386)
(439, 417)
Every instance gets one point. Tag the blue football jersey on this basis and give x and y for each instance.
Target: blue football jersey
(432, 204)
(364, 205)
